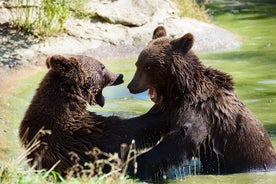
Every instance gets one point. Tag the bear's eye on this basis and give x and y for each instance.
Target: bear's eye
(147, 68)
(102, 67)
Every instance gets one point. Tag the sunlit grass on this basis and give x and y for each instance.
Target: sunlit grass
(17, 171)
(44, 17)
(190, 8)
(40, 18)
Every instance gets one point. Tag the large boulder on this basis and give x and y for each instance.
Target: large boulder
(118, 28)
(5, 14)
(125, 12)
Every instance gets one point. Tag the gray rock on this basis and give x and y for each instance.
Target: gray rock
(128, 29)
(125, 12)
(5, 14)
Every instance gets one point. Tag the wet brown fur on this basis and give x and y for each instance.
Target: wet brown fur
(207, 120)
(59, 106)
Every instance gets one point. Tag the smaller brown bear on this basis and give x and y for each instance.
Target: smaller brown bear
(207, 120)
(59, 106)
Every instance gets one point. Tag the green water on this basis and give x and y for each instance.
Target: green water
(253, 68)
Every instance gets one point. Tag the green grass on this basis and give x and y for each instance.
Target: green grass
(41, 19)
(47, 17)
(190, 8)
(17, 171)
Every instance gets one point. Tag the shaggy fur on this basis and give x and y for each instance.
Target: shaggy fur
(59, 106)
(207, 120)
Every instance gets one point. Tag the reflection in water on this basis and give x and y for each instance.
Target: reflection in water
(184, 170)
(267, 82)
(121, 91)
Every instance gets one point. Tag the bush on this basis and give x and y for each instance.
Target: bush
(190, 8)
(41, 18)
(44, 17)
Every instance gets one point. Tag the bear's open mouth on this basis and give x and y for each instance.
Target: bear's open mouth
(153, 94)
(99, 98)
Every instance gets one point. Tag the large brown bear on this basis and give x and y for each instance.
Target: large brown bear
(207, 119)
(59, 108)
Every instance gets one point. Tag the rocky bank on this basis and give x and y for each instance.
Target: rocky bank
(120, 28)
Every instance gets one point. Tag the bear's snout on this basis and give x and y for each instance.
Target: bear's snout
(132, 88)
(119, 80)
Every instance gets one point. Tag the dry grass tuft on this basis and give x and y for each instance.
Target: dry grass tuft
(190, 8)
(17, 170)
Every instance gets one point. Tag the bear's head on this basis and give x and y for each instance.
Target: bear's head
(83, 75)
(158, 65)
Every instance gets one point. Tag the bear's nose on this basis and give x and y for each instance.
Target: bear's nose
(119, 80)
(131, 87)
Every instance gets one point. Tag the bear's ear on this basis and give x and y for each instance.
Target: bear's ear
(61, 64)
(160, 31)
(184, 44)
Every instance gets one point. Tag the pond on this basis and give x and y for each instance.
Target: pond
(253, 68)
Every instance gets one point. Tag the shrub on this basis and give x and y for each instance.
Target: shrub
(44, 17)
(190, 8)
